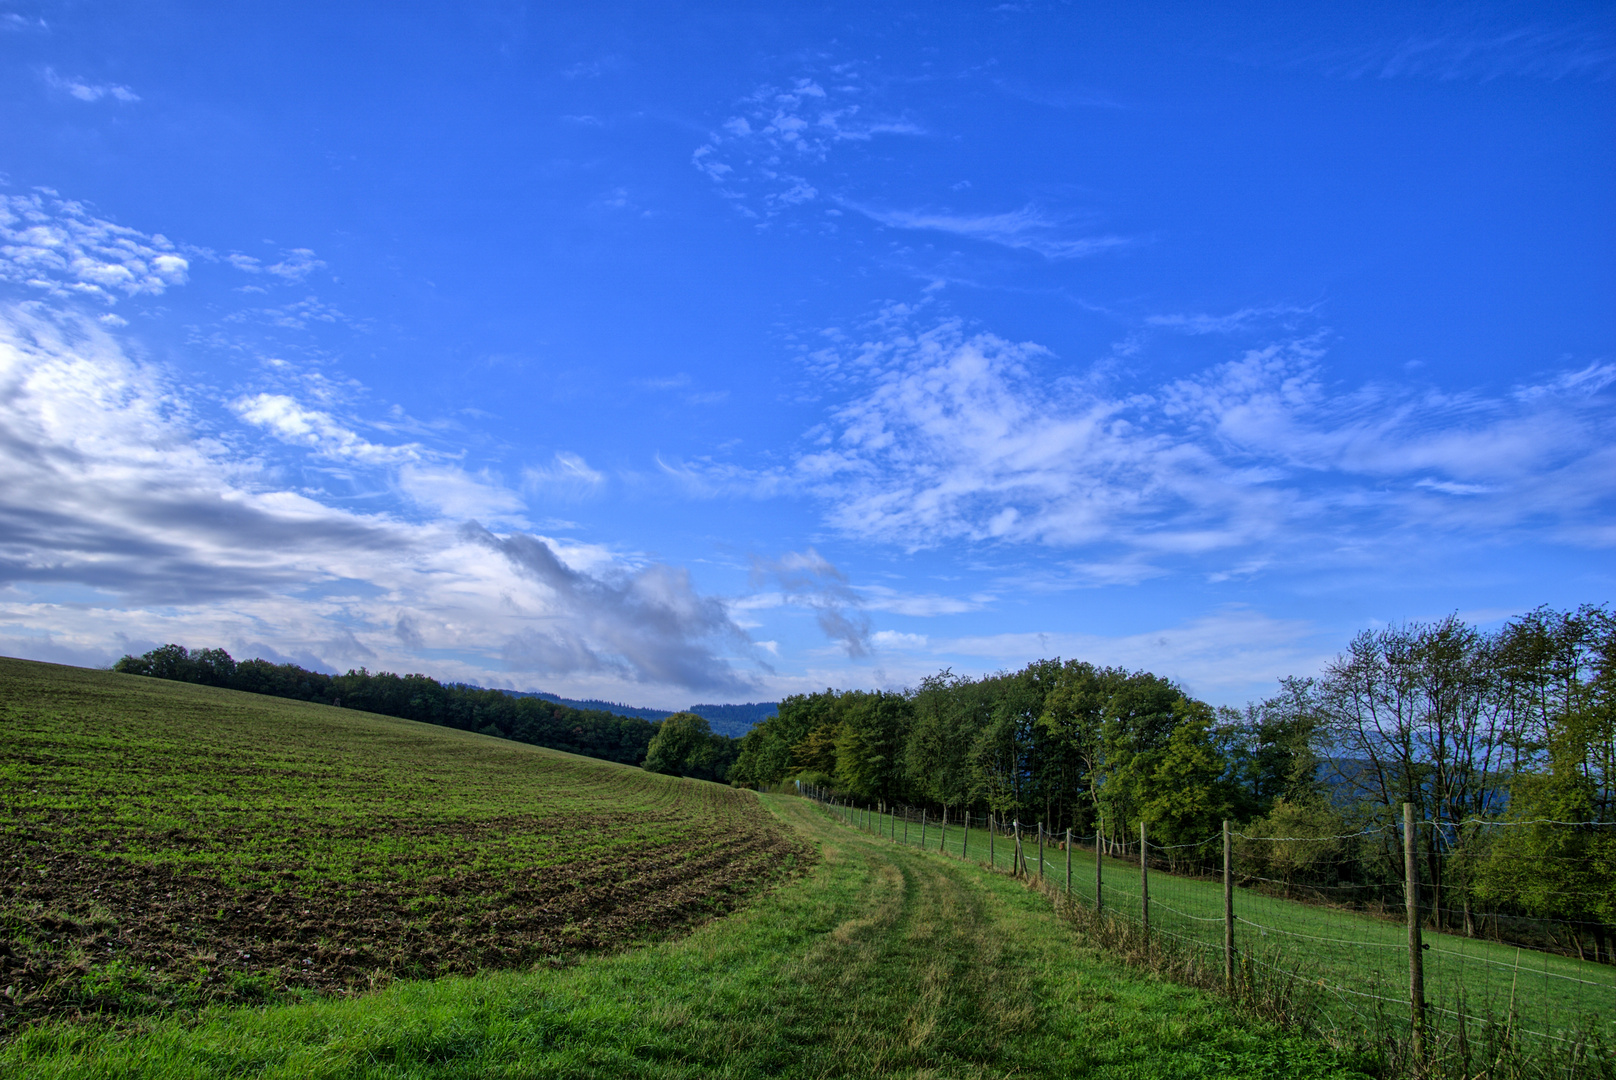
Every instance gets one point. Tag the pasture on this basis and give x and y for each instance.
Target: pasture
(1352, 963)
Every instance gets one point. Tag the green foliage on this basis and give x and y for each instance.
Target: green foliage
(1190, 790)
(816, 751)
(684, 745)
(1300, 848)
(1564, 669)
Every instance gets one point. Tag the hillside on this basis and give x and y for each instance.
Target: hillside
(166, 843)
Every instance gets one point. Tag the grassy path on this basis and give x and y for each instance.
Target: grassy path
(1365, 956)
(881, 961)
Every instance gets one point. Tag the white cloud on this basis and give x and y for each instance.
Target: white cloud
(60, 249)
(296, 315)
(893, 639)
(945, 436)
(293, 266)
(761, 153)
(919, 605)
(85, 91)
(157, 533)
(1026, 229)
(1231, 322)
(290, 422)
(457, 494)
(568, 475)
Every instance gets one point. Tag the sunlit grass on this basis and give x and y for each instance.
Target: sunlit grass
(880, 962)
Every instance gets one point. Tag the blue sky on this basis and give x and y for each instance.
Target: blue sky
(671, 353)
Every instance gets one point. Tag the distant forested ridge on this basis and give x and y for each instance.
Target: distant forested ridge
(731, 720)
(736, 720)
(593, 732)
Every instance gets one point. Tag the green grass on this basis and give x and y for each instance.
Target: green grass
(262, 791)
(880, 962)
(163, 845)
(1361, 960)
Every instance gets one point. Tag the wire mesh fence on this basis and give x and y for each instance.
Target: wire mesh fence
(1331, 919)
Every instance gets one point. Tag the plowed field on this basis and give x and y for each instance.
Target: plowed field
(164, 845)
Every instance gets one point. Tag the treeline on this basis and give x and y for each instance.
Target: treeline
(535, 720)
(1485, 733)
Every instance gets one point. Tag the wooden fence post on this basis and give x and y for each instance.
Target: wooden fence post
(1068, 862)
(1020, 866)
(1416, 958)
(1099, 863)
(1144, 885)
(1228, 911)
(942, 834)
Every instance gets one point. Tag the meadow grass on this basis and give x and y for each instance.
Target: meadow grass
(880, 962)
(1357, 962)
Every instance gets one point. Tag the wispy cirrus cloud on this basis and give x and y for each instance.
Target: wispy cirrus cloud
(1026, 229)
(1484, 49)
(566, 474)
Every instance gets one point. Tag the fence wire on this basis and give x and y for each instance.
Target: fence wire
(1305, 909)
